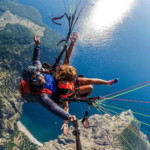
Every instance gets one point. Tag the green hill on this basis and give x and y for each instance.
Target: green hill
(18, 25)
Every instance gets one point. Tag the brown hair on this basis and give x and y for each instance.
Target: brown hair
(65, 73)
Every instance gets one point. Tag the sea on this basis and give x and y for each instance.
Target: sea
(114, 42)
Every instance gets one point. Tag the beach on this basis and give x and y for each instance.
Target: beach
(27, 133)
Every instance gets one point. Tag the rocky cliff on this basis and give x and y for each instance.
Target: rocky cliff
(101, 128)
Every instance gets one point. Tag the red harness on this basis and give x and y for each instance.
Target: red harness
(24, 88)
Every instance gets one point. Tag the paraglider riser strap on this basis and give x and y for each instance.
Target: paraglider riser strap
(78, 92)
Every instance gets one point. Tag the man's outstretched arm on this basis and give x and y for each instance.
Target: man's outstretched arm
(50, 105)
(36, 53)
(70, 49)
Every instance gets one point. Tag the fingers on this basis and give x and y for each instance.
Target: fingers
(62, 126)
(74, 37)
(75, 34)
(35, 37)
(72, 118)
(36, 40)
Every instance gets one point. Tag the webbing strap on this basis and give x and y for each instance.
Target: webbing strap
(85, 119)
(53, 19)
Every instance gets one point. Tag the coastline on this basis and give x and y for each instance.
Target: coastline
(22, 128)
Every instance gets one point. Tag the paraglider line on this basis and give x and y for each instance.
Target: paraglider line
(126, 106)
(129, 100)
(126, 89)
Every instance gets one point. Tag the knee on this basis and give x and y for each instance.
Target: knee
(90, 88)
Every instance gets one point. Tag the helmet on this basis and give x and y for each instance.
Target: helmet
(28, 72)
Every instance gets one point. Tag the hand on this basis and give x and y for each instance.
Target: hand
(36, 40)
(74, 37)
(71, 118)
(65, 127)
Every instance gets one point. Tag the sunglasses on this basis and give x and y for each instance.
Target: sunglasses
(35, 79)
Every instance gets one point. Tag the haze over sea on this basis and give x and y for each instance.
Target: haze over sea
(114, 42)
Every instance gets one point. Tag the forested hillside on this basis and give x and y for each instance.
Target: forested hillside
(21, 10)
(16, 48)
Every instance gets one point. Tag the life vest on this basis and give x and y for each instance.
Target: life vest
(66, 90)
(29, 96)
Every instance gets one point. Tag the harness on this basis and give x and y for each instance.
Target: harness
(29, 96)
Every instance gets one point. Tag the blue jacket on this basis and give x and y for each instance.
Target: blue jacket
(50, 83)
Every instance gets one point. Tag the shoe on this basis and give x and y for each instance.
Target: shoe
(113, 81)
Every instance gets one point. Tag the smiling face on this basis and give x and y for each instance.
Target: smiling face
(38, 79)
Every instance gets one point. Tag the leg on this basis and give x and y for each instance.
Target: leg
(88, 81)
(65, 106)
(85, 85)
(84, 90)
(65, 122)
